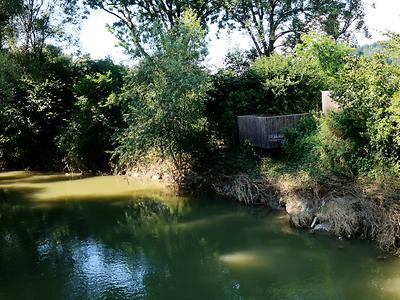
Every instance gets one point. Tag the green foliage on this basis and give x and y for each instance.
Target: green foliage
(8, 77)
(298, 142)
(326, 52)
(334, 151)
(369, 93)
(86, 139)
(275, 85)
(320, 145)
(293, 83)
(231, 96)
(41, 99)
(369, 50)
(364, 136)
(165, 97)
(273, 24)
(139, 22)
(9, 9)
(391, 47)
(40, 21)
(56, 112)
(237, 61)
(53, 109)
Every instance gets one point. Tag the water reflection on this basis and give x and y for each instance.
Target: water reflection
(245, 260)
(102, 271)
(110, 238)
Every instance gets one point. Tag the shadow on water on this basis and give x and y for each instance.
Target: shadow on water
(19, 195)
(107, 243)
(14, 175)
(134, 243)
(49, 178)
(35, 177)
(108, 238)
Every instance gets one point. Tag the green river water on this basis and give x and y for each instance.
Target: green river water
(107, 237)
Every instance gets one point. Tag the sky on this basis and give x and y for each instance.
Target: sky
(99, 43)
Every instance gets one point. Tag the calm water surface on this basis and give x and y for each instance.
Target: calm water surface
(68, 237)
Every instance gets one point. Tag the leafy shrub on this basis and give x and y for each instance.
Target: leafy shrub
(364, 136)
(293, 84)
(276, 85)
(327, 53)
(41, 99)
(369, 93)
(320, 143)
(165, 98)
(333, 150)
(87, 137)
(234, 95)
(298, 142)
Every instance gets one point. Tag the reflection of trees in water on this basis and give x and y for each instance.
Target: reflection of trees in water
(177, 257)
(33, 245)
(145, 234)
(24, 227)
(147, 218)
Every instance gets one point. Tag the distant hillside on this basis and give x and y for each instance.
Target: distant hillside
(369, 50)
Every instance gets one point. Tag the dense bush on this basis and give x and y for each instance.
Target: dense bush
(280, 84)
(56, 112)
(325, 52)
(298, 142)
(165, 98)
(233, 95)
(369, 95)
(87, 137)
(292, 84)
(8, 81)
(320, 144)
(41, 99)
(364, 137)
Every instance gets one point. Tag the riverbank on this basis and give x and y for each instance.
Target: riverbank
(315, 199)
(343, 207)
(115, 236)
(359, 207)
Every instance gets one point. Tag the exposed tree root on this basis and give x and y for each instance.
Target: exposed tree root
(246, 190)
(347, 208)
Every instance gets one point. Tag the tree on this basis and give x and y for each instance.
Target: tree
(9, 9)
(369, 95)
(41, 98)
(166, 97)
(139, 21)
(369, 50)
(329, 54)
(279, 23)
(86, 139)
(9, 78)
(274, 85)
(42, 20)
(391, 47)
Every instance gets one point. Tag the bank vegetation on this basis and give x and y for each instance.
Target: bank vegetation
(170, 117)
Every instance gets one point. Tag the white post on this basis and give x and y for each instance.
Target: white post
(328, 103)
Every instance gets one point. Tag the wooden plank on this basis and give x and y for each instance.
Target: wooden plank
(266, 132)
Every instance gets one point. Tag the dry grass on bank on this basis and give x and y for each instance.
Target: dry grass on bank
(363, 207)
(184, 180)
(246, 190)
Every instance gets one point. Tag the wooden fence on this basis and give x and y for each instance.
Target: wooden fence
(266, 132)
